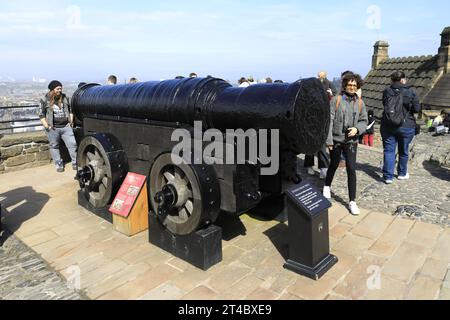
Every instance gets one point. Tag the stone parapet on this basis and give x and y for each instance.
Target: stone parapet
(429, 148)
(23, 150)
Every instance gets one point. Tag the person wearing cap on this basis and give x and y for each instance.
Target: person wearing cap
(57, 118)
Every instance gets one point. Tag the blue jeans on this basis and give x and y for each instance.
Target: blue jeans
(66, 134)
(391, 138)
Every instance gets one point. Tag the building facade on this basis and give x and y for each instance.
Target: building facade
(429, 76)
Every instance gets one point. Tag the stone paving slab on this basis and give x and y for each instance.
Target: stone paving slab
(380, 256)
(25, 276)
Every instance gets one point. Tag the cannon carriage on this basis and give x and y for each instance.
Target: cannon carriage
(130, 127)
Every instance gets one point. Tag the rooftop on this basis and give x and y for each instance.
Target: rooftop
(421, 72)
(440, 94)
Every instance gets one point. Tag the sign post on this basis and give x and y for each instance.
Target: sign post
(130, 206)
(309, 243)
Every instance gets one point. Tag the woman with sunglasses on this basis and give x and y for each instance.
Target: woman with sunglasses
(348, 121)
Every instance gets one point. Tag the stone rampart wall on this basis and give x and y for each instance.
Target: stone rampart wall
(23, 150)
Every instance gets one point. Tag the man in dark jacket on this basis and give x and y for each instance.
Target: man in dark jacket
(401, 135)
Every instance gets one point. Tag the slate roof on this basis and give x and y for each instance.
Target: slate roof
(439, 96)
(421, 73)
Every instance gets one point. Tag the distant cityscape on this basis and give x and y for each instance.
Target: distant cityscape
(24, 95)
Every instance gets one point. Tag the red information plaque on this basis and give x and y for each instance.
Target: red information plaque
(128, 192)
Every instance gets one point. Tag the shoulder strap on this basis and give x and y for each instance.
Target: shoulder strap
(338, 102)
(339, 99)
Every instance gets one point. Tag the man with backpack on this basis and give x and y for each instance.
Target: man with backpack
(398, 126)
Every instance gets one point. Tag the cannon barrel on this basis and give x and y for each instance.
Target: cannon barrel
(300, 110)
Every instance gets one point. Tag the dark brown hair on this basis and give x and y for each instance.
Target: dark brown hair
(350, 76)
(52, 98)
(397, 76)
(112, 79)
(242, 80)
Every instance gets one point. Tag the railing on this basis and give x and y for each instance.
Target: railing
(11, 126)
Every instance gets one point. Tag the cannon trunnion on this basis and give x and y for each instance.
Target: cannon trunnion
(129, 128)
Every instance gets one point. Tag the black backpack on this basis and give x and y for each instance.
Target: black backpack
(394, 112)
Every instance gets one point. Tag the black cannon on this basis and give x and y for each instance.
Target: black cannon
(129, 128)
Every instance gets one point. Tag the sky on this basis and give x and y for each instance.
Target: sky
(80, 40)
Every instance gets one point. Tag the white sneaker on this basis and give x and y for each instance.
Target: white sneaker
(327, 192)
(354, 210)
(403, 177)
(323, 173)
(311, 171)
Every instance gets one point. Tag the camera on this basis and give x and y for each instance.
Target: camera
(346, 131)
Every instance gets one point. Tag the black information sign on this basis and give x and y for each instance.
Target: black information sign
(309, 198)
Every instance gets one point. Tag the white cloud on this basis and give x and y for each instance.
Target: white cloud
(64, 22)
(241, 36)
(9, 18)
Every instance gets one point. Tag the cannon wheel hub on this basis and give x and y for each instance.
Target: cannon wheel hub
(103, 167)
(193, 193)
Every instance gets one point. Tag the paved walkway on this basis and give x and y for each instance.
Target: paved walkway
(410, 257)
(426, 195)
(25, 276)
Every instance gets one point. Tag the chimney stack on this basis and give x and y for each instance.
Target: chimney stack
(380, 54)
(444, 50)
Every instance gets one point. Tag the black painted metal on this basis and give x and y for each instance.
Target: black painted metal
(100, 212)
(202, 248)
(84, 175)
(115, 160)
(308, 233)
(166, 199)
(201, 177)
(299, 110)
